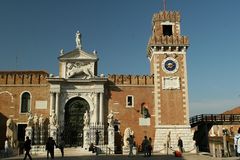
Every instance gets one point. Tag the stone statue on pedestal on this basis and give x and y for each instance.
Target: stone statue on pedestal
(86, 119)
(41, 120)
(11, 133)
(53, 126)
(53, 119)
(127, 134)
(78, 40)
(30, 120)
(35, 120)
(110, 119)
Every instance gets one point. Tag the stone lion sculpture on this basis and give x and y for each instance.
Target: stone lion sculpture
(127, 134)
(82, 70)
(11, 133)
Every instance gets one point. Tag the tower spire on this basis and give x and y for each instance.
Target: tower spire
(164, 5)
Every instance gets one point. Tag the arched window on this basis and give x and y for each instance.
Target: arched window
(144, 111)
(25, 102)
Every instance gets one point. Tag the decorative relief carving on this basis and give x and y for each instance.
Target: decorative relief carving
(81, 70)
(67, 96)
(171, 83)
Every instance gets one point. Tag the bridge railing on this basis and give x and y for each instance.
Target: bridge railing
(216, 118)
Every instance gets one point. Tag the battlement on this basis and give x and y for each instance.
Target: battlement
(131, 79)
(160, 40)
(23, 77)
(171, 16)
(166, 33)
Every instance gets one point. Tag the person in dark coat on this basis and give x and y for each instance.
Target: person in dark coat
(50, 147)
(97, 137)
(145, 144)
(61, 146)
(131, 143)
(27, 147)
(150, 147)
(180, 144)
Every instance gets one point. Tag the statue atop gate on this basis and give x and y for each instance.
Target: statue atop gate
(78, 40)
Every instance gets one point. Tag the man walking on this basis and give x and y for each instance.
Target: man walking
(145, 144)
(27, 147)
(50, 147)
(131, 143)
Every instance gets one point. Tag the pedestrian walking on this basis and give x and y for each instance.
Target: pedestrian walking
(27, 147)
(237, 143)
(131, 143)
(50, 147)
(149, 147)
(61, 146)
(180, 144)
(97, 136)
(145, 144)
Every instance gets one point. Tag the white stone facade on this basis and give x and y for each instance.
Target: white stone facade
(176, 131)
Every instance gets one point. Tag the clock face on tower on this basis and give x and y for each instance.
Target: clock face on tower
(170, 65)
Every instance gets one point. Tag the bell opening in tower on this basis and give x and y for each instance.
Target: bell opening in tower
(167, 30)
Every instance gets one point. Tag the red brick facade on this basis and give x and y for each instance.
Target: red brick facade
(141, 88)
(12, 85)
(124, 94)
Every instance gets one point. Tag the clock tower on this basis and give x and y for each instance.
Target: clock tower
(166, 51)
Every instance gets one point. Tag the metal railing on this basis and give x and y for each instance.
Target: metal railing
(214, 119)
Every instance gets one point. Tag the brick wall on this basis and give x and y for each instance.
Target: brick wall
(129, 117)
(12, 85)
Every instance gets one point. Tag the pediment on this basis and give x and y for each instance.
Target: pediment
(78, 54)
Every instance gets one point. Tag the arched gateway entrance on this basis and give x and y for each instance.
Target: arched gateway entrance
(73, 126)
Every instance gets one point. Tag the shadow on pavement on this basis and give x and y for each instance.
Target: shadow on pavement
(105, 157)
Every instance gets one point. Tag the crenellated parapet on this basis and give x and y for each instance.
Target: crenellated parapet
(131, 79)
(23, 77)
(166, 34)
(171, 16)
(160, 40)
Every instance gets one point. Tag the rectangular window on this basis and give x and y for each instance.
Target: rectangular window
(129, 101)
(167, 30)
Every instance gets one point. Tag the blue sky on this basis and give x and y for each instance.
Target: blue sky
(32, 32)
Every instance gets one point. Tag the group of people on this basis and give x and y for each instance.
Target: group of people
(50, 145)
(147, 146)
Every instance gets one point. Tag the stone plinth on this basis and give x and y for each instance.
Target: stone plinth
(127, 149)
(111, 136)
(176, 131)
(86, 137)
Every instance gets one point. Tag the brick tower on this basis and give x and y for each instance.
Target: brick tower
(167, 54)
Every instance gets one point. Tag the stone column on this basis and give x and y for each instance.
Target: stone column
(101, 114)
(96, 112)
(57, 107)
(42, 136)
(36, 134)
(51, 102)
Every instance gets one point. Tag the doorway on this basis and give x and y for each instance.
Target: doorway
(21, 136)
(74, 122)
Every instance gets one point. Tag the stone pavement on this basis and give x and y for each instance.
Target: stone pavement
(85, 155)
(122, 157)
